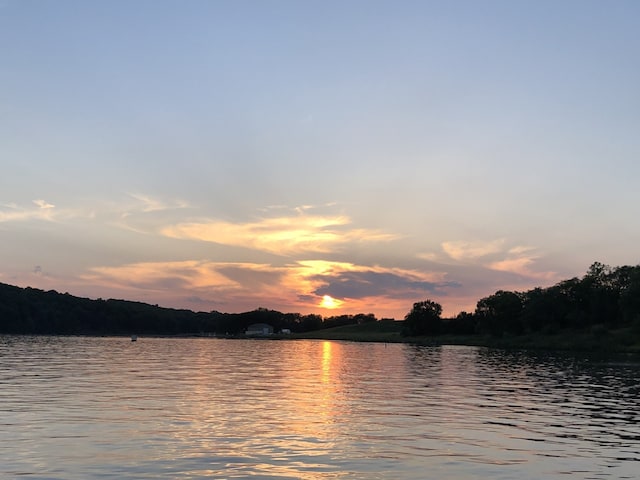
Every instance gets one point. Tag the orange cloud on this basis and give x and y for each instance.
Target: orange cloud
(299, 286)
(519, 261)
(189, 273)
(213, 284)
(280, 235)
(461, 250)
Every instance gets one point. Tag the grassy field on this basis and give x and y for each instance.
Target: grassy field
(382, 331)
(593, 339)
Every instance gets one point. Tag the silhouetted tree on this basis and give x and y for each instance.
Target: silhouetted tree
(629, 301)
(462, 324)
(364, 318)
(338, 321)
(423, 319)
(311, 322)
(500, 313)
(543, 309)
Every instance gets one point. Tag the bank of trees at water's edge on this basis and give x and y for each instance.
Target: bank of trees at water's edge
(604, 298)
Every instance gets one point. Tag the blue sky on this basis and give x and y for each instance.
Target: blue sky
(231, 155)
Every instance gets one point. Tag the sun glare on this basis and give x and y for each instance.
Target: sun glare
(329, 302)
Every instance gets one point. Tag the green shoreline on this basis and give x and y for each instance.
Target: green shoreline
(623, 340)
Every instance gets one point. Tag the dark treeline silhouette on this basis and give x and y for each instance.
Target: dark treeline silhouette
(33, 311)
(604, 298)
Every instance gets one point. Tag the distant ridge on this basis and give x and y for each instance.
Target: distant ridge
(34, 311)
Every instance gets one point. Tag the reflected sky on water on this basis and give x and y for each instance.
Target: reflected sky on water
(84, 408)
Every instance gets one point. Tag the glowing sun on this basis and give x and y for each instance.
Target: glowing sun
(329, 302)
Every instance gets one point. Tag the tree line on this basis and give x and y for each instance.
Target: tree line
(604, 298)
(34, 311)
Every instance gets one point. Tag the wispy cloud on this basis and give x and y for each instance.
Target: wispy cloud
(520, 260)
(147, 203)
(12, 212)
(497, 256)
(161, 275)
(429, 256)
(41, 209)
(43, 204)
(463, 250)
(281, 235)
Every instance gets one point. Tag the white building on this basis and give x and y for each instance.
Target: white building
(259, 330)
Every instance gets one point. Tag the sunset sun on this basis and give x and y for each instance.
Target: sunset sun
(329, 302)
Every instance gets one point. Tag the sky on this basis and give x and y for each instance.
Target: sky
(329, 157)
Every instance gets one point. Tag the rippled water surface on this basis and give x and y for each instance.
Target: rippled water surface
(87, 408)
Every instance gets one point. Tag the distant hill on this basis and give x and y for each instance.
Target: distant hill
(33, 311)
(30, 310)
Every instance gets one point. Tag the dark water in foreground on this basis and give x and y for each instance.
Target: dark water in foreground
(89, 408)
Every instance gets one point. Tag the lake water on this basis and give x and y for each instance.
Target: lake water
(101, 408)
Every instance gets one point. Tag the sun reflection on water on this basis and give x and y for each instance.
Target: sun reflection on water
(80, 408)
(326, 362)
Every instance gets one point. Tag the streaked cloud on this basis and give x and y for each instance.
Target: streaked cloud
(429, 256)
(161, 275)
(464, 250)
(281, 235)
(43, 204)
(520, 261)
(43, 210)
(495, 255)
(148, 203)
(143, 215)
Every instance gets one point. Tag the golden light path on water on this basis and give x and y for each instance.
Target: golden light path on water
(79, 408)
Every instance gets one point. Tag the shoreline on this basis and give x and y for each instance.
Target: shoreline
(623, 340)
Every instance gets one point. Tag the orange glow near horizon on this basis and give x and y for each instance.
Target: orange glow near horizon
(240, 286)
(330, 303)
(205, 285)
